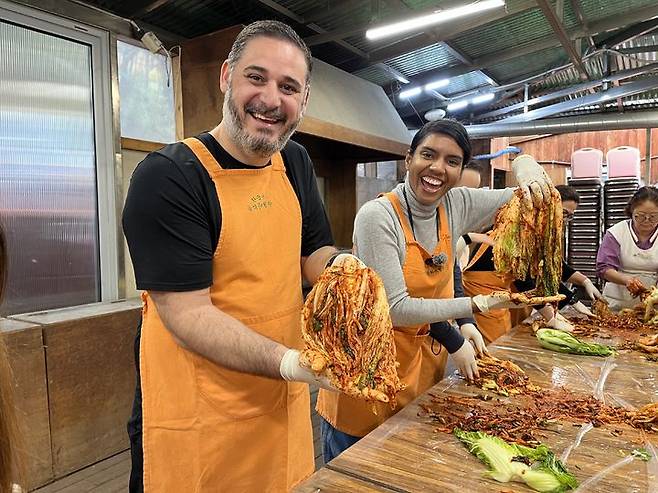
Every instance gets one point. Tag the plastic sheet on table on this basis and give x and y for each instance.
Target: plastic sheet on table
(579, 438)
(607, 367)
(652, 468)
(413, 451)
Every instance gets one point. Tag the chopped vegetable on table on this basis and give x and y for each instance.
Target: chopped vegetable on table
(563, 342)
(536, 467)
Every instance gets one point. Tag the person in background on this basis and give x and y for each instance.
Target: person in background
(570, 201)
(628, 255)
(11, 465)
(408, 237)
(480, 277)
(471, 176)
(221, 228)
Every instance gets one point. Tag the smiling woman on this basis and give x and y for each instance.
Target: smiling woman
(435, 157)
(408, 237)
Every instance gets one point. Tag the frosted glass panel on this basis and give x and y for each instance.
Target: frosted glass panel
(47, 171)
(147, 98)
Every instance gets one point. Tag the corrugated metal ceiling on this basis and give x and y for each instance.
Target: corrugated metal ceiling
(425, 58)
(517, 68)
(464, 83)
(376, 75)
(598, 9)
(596, 65)
(509, 33)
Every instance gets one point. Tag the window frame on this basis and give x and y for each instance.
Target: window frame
(104, 125)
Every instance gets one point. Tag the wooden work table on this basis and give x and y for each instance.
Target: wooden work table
(407, 454)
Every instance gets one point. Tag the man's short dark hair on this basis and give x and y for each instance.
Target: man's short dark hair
(269, 29)
(568, 193)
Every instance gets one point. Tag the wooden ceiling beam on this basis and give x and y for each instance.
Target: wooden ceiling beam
(575, 6)
(565, 41)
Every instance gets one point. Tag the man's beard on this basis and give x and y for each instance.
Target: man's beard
(255, 144)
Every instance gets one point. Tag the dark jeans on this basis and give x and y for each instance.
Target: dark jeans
(136, 484)
(334, 441)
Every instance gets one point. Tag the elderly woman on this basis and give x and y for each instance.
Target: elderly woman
(408, 237)
(628, 255)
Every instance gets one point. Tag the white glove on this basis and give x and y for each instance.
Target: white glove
(592, 292)
(471, 334)
(580, 308)
(345, 257)
(464, 360)
(488, 302)
(533, 180)
(560, 323)
(292, 371)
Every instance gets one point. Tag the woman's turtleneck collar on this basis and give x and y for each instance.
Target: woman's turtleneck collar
(418, 210)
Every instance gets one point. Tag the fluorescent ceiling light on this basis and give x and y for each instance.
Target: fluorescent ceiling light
(410, 92)
(436, 84)
(483, 99)
(458, 105)
(431, 19)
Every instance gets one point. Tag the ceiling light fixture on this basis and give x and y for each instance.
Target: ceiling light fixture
(431, 19)
(410, 92)
(458, 105)
(436, 84)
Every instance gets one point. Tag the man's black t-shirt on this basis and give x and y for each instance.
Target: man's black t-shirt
(172, 216)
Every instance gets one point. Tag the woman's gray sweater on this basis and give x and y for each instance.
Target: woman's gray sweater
(379, 241)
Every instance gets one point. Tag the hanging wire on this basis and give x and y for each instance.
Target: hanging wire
(169, 63)
(420, 118)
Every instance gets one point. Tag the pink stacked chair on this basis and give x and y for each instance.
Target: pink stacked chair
(623, 161)
(586, 163)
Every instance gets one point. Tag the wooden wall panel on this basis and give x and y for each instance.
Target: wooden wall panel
(26, 355)
(501, 162)
(91, 382)
(340, 196)
(200, 63)
(480, 147)
(560, 147)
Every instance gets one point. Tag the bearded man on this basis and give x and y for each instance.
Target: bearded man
(221, 228)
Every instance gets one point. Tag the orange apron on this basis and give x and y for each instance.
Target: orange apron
(495, 323)
(419, 367)
(207, 428)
